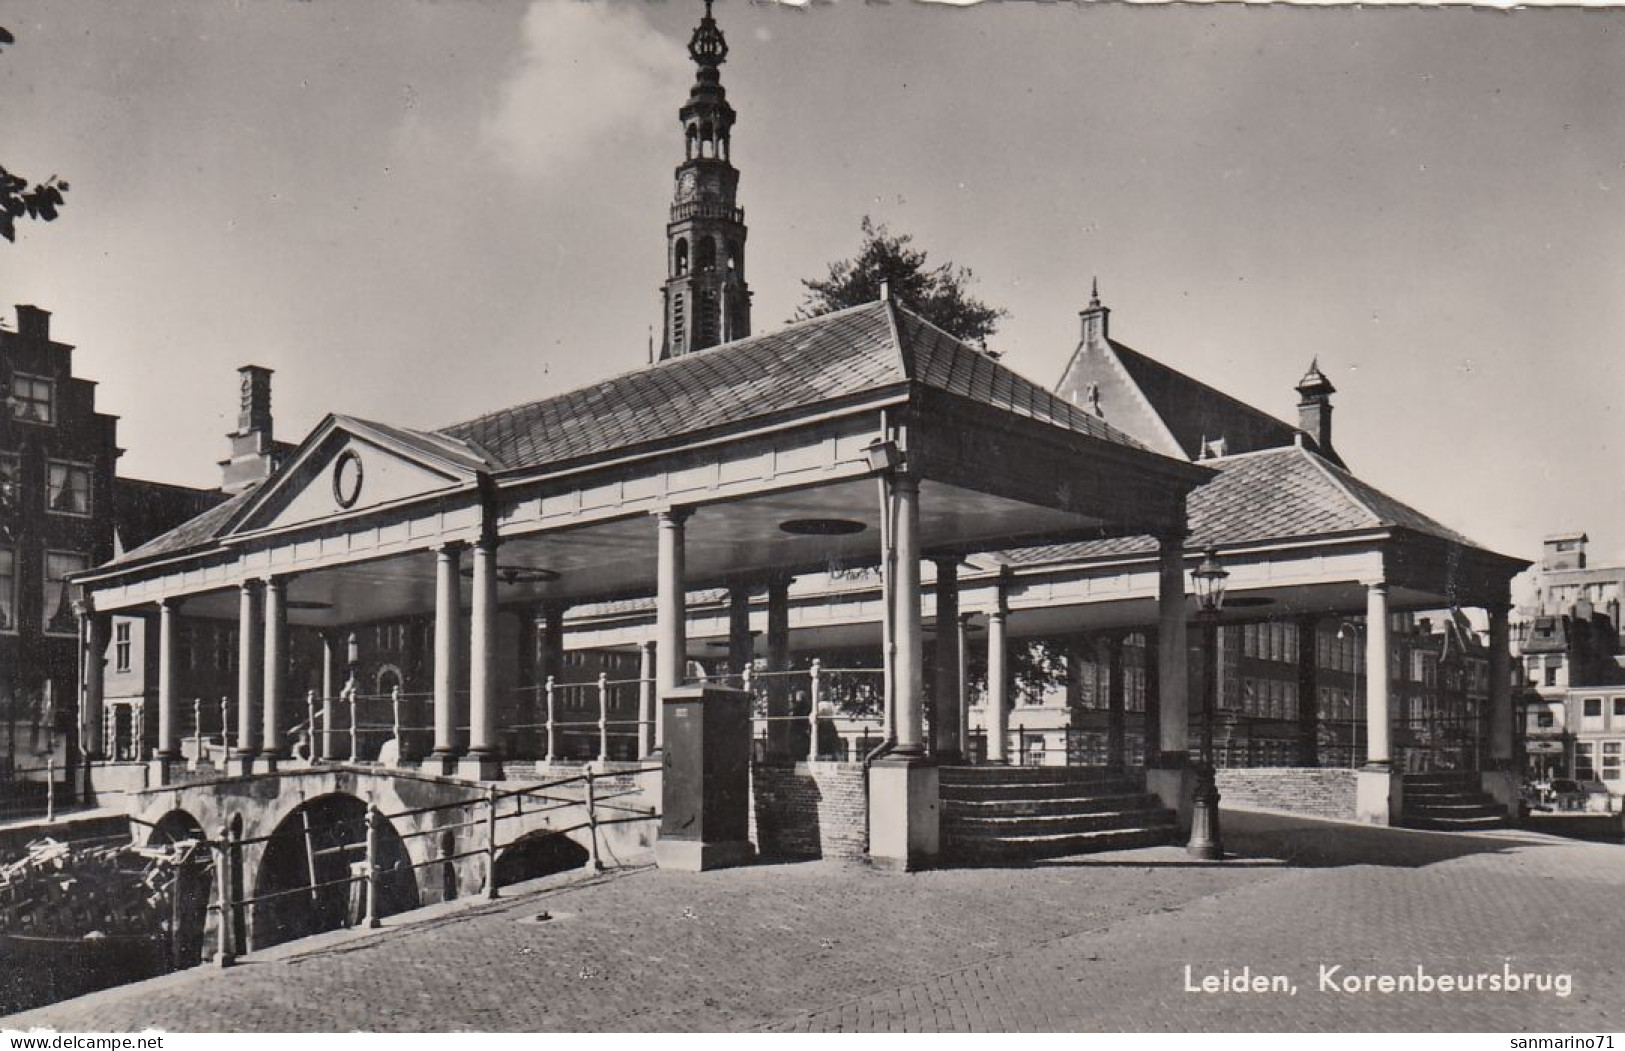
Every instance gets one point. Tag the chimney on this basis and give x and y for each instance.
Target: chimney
(33, 323)
(1094, 317)
(252, 449)
(1315, 408)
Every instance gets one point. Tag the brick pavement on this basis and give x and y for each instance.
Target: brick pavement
(1089, 943)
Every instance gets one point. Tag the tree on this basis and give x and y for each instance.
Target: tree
(939, 294)
(17, 197)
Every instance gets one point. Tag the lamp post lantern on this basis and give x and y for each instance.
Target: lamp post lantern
(1206, 842)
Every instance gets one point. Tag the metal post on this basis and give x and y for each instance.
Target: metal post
(593, 864)
(812, 711)
(371, 919)
(491, 843)
(225, 728)
(355, 730)
(1206, 842)
(197, 731)
(552, 743)
(50, 787)
(310, 725)
(603, 717)
(222, 878)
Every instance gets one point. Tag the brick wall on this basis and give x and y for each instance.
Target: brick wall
(1302, 790)
(809, 810)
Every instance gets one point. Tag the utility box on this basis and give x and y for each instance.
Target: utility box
(705, 789)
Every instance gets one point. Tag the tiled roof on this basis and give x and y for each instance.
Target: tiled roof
(1278, 494)
(862, 350)
(143, 510)
(820, 360)
(1193, 411)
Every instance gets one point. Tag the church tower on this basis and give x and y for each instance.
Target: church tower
(707, 301)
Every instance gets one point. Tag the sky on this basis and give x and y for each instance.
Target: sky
(418, 212)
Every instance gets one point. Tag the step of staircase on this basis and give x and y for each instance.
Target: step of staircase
(1450, 803)
(1006, 813)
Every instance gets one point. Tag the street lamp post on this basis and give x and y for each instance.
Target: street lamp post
(1206, 842)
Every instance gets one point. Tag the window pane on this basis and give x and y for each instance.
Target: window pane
(31, 399)
(68, 488)
(57, 609)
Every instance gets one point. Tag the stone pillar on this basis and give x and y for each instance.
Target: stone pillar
(91, 718)
(962, 677)
(1500, 776)
(484, 759)
(741, 646)
(781, 733)
(274, 669)
(1308, 691)
(250, 653)
(1377, 786)
(1116, 749)
(1151, 713)
(671, 610)
(648, 708)
(903, 807)
(330, 688)
(996, 714)
(447, 624)
(168, 731)
(948, 746)
(1168, 771)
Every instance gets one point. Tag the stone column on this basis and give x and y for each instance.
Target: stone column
(249, 677)
(275, 671)
(1151, 713)
(1167, 770)
(648, 707)
(330, 688)
(1377, 787)
(1115, 719)
(1308, 691)
(903, 794)
(741, 646)
(447, 625)
(962, 677)
(671, 627)
(781, 732)
(948, 745)
(168, 732)
(996, 715)
(91, 718)
(484, 759)
(1501, 776)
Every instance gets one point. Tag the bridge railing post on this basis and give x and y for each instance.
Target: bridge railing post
(491, 843)
(310, 725)
(50, 787)
(593, 864)
(222, 899)
(603, 717)
(395, 722)
(371, 918)
(814, 693)
(552, 740)
(197, 732)
(225, 728)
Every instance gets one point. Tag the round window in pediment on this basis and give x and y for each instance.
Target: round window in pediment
(347, 478)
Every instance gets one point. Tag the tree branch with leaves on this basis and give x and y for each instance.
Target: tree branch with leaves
(19, 199)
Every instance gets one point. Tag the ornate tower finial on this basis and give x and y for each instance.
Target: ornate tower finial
(706, 298)
(1094, 291)
(1094, 315)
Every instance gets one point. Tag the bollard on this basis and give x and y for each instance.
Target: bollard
(812, 711)
(222, 899)
(355, 734)
(552, 747)
(491, 843)
(603, 717)
(593, 864)
(50, 789)
(371, 919)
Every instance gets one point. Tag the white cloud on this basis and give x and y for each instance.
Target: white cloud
(590, 73)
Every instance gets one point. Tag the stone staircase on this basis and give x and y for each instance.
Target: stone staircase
(992, 813)
(1450, 803)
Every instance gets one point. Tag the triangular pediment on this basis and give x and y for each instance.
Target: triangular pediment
(349, 466)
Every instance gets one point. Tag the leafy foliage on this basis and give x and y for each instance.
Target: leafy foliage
(937, 293)
(17, 198)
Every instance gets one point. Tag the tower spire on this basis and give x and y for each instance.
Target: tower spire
(706, 298)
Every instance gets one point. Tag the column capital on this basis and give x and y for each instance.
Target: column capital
(450, 548)
(278, 581)
(250, 584)
(1498, 607)
(1377, 584)
(673, 516)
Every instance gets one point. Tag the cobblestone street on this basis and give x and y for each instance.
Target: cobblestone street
(1098, 942)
